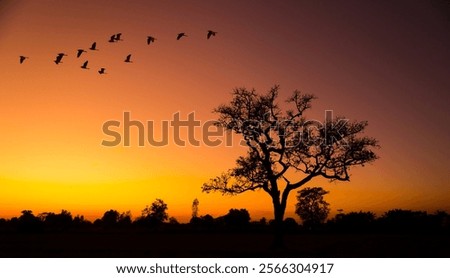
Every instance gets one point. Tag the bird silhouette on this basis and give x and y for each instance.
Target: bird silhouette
(22, 59)
(180, 35)
(210, 33)
(102, 71)
(79, 52)
(128, 59)
(150, 39)
(93, 47)
(59, 58)
(115, 37)
(84, 66)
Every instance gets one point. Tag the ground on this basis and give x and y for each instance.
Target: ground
(143, 244)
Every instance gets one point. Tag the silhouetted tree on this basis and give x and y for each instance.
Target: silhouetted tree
(311, 206)
(110, 218)
(285, 149)
(237, 218)
(195, 204)
(156, 213)
(57, 222)
(124, 219)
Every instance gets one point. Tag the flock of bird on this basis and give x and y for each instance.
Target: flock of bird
(113, 39)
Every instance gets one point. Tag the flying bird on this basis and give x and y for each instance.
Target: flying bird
(180, 35)
(22, 59)
(93, 47)
(150, 39)
(128, 59)
(84, 66)
(102, 71)
(59, 58)
(79, 52)
(210, 33)
(115, 37)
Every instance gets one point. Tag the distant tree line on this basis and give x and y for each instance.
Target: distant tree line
(155, 218)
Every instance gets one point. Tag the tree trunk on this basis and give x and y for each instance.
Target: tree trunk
(279, 210)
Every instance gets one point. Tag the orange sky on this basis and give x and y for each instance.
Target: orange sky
(387, 63)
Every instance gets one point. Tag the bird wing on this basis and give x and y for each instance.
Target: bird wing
(211, 33)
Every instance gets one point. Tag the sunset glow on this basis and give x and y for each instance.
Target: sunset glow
(386, 63)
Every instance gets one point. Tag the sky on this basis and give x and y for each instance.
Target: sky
(386, 62)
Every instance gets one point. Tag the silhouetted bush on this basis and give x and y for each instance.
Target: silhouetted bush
(57, 222)
(173, 221)
(399, 220)
(392, 221)
(354, 222)
(80, 223)
(27, 222)
(290, 225)
(237, 218)
(3, 224)
(124, 219)
(440, 221)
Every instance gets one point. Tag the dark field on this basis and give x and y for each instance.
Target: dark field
(172, 245)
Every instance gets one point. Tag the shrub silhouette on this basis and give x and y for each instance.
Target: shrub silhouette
(354, 222)
(236, 218)
(27, 222)
(399, 220)
(57, 222)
